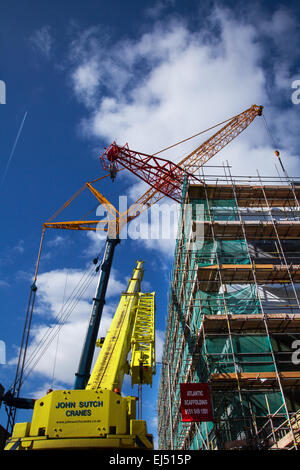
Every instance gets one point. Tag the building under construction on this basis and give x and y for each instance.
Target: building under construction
(234, 315)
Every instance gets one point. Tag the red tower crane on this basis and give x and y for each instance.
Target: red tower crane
(166, 177)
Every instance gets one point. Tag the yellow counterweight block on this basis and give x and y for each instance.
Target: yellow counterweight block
(66, 419)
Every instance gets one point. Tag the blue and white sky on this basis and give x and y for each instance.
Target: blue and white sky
(79, 75)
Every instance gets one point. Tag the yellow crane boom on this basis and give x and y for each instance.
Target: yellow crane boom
(132, 328)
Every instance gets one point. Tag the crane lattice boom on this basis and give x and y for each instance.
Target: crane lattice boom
(166, 177)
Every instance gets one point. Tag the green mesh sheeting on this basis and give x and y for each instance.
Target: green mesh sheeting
(193, 356)
(223, 252)
(219, 251)
(242, 300)
(236, 417)
(214, 209)
(232, 409)
(236, 302)
(246, 353)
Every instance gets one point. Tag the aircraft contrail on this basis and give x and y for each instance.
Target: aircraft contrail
(13, 149)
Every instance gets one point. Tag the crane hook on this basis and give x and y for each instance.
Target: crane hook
(112, 171)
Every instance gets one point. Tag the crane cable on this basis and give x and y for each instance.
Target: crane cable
(63, 302)
(43, 344)
(60, 320)
(195, 135)
(276, 151)
(25, 364)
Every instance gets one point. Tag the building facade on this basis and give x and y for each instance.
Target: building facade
(234, 315)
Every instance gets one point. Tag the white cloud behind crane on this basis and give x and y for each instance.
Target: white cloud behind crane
(171, 82)
(61, 318)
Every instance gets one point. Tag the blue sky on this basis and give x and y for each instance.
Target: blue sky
(148, 73)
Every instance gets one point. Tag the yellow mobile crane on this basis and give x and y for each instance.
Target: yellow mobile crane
(98, 416)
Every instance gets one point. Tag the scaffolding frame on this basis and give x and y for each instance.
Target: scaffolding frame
(260, 213)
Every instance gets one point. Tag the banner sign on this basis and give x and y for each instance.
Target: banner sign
(195, 402)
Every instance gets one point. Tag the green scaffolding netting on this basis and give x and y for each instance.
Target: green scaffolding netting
(242, 300)
(220, 352)
(214, 209)
(223, 252)
(242, 353)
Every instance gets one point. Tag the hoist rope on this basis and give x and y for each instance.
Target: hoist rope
(68, 202)
(269, 132)
(60, 319)
(51, 332)
(54, 362)
(63, 302)
(195, 135)
(278, 156)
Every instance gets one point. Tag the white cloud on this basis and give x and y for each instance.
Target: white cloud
(171, 83)
(58, 240)
(60, 289)
(188, 85)
(86, 80)
(61, 356)
(19, 247)
(42, 41)
(96, 242)
(159, 344)
(156, 229)
(64, 305)
(158, 7)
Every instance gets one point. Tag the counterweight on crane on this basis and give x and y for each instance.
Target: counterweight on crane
(99, 417)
